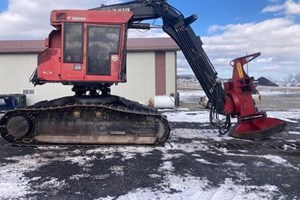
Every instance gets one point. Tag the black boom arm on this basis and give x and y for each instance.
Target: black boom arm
(179, 29)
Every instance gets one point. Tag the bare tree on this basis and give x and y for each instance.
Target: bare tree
(288, 80)
(292, 79)
(297, 78)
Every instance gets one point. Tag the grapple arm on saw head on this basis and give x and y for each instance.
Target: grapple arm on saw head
(252, 124)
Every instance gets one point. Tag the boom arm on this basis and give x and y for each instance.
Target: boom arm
(235, 100)
(178, 28)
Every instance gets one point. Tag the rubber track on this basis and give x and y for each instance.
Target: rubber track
(30, 112)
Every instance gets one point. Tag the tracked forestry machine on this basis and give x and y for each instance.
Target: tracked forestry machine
(87, 49)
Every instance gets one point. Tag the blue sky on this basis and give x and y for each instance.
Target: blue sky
(211, 12)
(222, 12)
(228, 28)
(3, 5)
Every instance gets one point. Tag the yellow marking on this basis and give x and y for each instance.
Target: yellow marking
(240, 69)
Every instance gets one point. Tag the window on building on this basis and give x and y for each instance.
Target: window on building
(28, 91)
(2, 101)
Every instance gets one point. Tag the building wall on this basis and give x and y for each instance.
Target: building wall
(16, 69)
(171, 72)
(142, 78)
(140, 85)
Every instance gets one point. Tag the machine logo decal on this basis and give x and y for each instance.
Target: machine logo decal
(76, 18)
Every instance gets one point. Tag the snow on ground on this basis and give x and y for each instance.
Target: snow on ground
(288, 116)
(188, 116)
(203, 116)
(191, 93)
(268, 90)
(15, 185)
(171, 182)
(194, 188)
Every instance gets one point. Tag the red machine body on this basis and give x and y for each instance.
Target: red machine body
(86, 47)
(252, 124)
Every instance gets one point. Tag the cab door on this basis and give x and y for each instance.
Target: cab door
(103, 57)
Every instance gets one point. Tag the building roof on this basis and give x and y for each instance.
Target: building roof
(151, 44)
(133, 44)
(21, 46)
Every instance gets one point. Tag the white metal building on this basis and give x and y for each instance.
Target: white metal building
(151, 70)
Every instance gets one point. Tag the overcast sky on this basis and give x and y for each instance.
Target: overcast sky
(228, 28)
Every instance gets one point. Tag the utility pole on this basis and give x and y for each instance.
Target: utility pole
(247, 64)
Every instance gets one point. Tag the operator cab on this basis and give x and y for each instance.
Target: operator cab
(87, 48)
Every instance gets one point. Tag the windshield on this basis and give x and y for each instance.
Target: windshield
(102, 42)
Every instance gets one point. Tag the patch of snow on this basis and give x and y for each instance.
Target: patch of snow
(196, 155)
(79, 176)
(102, 176)
(82, 161)
(230, 191)
(187, 148)
(166, 166)
(194, 188)
(259, 164)
(168, 156)
(154, 176)
(276, 159)
(106, 198)
(110, 150)
(203, 161)
(190, 93)
(190, 116)
(107, 156)
(233, 164)
(243, 151)
(223, 150)
(13, 183)
(203, 117)
(242, 177)
(127, 156)
(290, 147)
(50, 148)
(294, 132)
(199, 133)
(117, 169)
(288, 116)
(273, 92)
(279, 160)
(53, 184)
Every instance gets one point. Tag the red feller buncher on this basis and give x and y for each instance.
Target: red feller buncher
(87, 49)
